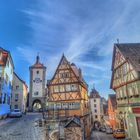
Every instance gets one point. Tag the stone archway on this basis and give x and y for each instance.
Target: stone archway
(97, 124)
(36, 105)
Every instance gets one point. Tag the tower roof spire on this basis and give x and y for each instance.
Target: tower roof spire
(37, 58)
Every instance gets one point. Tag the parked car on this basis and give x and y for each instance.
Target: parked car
(16, 113)
(102, 129)
(109, 130)
(119, 133)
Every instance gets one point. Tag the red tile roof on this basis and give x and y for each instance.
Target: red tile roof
(37, 64)
(94, 94)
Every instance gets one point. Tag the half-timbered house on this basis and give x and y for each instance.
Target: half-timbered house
(126, 83)
(68, 94)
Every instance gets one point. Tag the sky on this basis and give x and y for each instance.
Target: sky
(84, 30)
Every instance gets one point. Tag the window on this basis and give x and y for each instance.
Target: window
(17, 87)
(77, 105)
(94, 100)
(68, 88)
(62, 88)
(37, 72)
(8, 101)
(16, 106)
(51, 106)
(94, 105)
(73, 87)
(138, 125)
(56, 88)
(64, 105)
(4, 101)
(124, 69)
(74, 105)
(36, 93)
(95, 110)
(16, 97)
(96, 116)
(64, 75)
(58, 105)
(130, 91)
(7, 79)
(70, 105)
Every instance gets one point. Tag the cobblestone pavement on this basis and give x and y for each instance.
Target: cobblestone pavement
(23, 128)
(96, 135)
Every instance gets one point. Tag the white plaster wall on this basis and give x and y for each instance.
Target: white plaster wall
(98, 108)
(37, 86)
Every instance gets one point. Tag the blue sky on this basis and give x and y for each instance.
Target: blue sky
(85, 30)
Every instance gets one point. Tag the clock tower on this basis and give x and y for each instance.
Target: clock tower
(37, 94)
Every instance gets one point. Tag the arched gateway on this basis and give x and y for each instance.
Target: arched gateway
(36, 106)
(37, 86)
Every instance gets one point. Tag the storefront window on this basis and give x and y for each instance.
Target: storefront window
(138, 125)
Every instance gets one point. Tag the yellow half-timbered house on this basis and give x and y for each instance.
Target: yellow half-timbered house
(68, 94)
(126, 83)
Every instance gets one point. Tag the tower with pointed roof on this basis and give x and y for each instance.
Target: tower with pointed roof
(37, 85)
(96, 105)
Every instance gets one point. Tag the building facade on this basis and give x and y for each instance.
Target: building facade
(73, 129)
(6, 77)
(96, 105)
(112, 111)
(19, 93)
(68, 95)
(37, 94)
(126, 83)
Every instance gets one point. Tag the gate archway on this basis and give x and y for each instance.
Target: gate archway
(37, 105)
(97, 124)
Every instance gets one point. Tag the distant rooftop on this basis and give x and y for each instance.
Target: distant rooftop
(37, 64)
(131, 52)
(94, 94)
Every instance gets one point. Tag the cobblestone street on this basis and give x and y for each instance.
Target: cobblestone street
(21, 128)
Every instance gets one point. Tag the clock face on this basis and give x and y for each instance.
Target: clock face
(37, 80)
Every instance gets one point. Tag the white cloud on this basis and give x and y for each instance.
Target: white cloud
(59, 27)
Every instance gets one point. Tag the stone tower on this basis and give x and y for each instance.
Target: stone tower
(37, 85)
